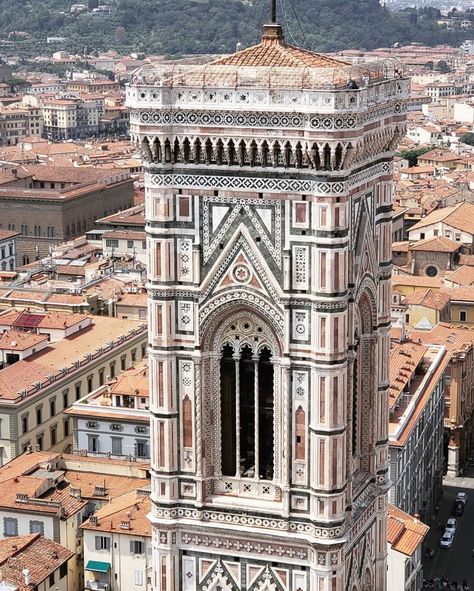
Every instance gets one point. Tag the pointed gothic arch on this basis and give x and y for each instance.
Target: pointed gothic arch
(243, 380)
(363, 380)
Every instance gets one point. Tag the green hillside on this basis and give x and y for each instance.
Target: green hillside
(197, 26)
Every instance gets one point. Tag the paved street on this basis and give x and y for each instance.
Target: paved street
(457, 563)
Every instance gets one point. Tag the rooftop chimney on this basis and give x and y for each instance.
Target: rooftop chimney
(26, 576)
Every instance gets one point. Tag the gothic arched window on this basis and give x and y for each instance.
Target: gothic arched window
(247, 404)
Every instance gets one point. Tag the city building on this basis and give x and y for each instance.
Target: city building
(458, 390)
(33, 562)
(268, 187)
(405, 535)
(117, 544)
(113, 420)
(50, 204)
(416, 423)
(100, 85)
(51, 494)
(38, 388)
(125, 243)
(454, 222)
(17, 123)
(8, 250)
(427, 306)
(70, 118)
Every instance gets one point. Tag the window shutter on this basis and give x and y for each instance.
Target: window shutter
(97, 543)
(132, 547)
(107, 543)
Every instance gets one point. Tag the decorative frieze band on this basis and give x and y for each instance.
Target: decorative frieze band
(324, 122)
(260, 184)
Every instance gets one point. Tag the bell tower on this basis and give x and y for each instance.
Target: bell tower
(268, 203)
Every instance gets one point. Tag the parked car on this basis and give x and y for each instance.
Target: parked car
(458, 509)
(451, 525)
(461, 497)
(446, 540)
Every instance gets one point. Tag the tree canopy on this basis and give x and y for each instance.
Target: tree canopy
(204, 26)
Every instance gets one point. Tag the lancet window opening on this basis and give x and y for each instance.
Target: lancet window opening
(247, 405)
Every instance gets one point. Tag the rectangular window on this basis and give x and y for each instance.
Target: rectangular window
(90, 384)
(143, 244)
(462, 315)
(101, 376)
(102, 543)
(336, 334)
(63, 570)
(10, 526)
(117, 446)
(39, 415)
(336, 271)
(322, 270)
(123, 363)
(137, 547)
(92, 443)
(24, 424)
(112, 369)
(37, 527)
(77, 389)
(141, 449)
(322, 333)
(65, 399)
(337, 220)
(322, 399)
(54, 435)
(39, 442)
(422, 235)
(52, 407)
(322, 454)
(138, 577)
(111, 243)
(66, 428)
(335, 400)
(133, 355)
(129, 243)
(323, 215)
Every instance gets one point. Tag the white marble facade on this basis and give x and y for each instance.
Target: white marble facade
(269, 260)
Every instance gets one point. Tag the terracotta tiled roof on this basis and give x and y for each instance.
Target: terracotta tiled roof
(463, 276)
(24, 374)
(439, 156)
(434, 379)
(125, 235)
(437, 244)
(400, 246)
(429, 298)
(131, 509)
(115, 485)
(42, 557)
(133, 299)
(460, 294)
(134, 215)
(459, 216)
(404, 533)
(6, 234)
(404, 359)
(12, 340)
(421, 282)
(452, 337)
(273, 51)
